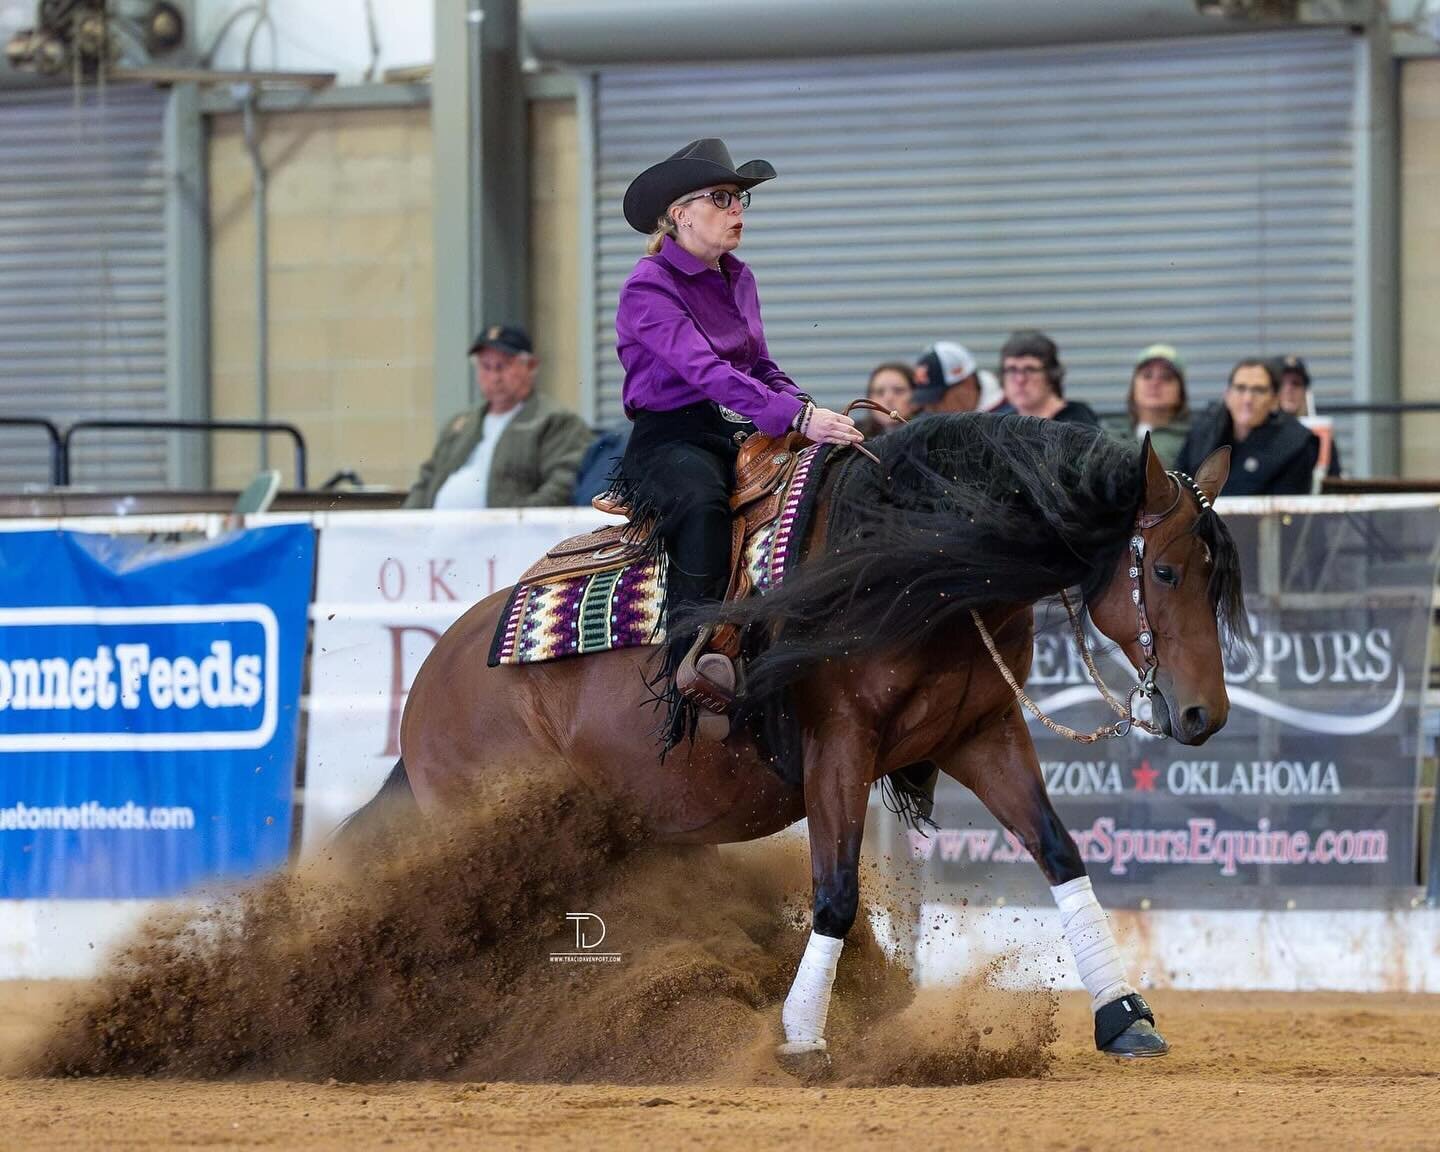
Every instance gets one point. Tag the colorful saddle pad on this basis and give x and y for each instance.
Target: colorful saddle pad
(622, 607)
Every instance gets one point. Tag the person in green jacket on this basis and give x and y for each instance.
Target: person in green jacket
(1157, 403)
(515, 450)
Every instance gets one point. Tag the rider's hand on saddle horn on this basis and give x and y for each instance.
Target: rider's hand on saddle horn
(829, 427)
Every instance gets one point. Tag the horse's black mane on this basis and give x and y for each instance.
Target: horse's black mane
(965, 511)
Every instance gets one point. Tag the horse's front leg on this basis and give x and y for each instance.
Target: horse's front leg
(838, 766)
(1001, 767)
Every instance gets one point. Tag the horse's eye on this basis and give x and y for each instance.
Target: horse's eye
(1165, 574)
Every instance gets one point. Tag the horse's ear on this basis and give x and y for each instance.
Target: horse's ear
(1214, 472)
(1159, 490)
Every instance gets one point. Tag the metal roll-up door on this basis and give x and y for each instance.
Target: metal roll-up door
(82, 277)
(1196, 191)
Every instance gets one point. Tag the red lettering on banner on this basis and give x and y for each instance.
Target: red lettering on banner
(392, 575)
(437, 579)
(399, 683)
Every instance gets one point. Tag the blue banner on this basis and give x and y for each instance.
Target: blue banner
(149, 704)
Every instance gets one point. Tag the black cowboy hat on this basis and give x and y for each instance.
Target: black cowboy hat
(699, 164)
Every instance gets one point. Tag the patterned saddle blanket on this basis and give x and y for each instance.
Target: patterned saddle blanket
(619, 602)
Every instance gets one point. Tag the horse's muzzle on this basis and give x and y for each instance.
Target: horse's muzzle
(1193, 725)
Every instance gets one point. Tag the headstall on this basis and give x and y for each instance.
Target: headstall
(1145, 637)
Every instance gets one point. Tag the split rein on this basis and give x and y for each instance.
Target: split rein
(1144, 687)
(1145, 684)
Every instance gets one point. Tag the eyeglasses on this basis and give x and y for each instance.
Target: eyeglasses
(722, 198)
(1251, 390)
(1017, 370)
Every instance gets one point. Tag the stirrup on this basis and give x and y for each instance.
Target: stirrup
(707, 678)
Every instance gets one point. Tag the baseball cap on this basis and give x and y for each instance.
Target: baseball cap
(1165, 352)
(941, 366)
(1293, 365)
(506, 337)
(991, 394)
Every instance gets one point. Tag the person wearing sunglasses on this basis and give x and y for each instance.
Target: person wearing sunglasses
(698, 378)
(1273, 454)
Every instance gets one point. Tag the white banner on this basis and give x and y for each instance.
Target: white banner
(389, 584)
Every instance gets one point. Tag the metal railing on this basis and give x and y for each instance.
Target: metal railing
(261, 427)
(57, 445)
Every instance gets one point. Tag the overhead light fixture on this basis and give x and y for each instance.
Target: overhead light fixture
(96, 34)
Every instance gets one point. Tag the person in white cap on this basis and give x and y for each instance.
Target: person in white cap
(947, 379)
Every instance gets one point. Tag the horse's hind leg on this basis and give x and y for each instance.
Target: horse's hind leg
(838, 767)
(1001, 767)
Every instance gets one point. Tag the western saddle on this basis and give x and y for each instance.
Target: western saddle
(763, 471)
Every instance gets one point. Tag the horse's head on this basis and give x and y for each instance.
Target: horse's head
(1176, 581)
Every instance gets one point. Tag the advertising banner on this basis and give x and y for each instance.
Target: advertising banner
(1312, 784)
(149, 699)
(388, 586)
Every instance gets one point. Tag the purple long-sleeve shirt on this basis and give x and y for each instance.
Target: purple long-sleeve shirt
(686, 334)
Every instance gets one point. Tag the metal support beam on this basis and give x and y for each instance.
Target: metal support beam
(1377, 253)
(585, 116)
(481, 197)
(187, 247)
(345, 98)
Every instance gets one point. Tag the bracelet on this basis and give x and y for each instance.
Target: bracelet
(802, 418)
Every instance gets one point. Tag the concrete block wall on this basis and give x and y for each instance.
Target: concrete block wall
(351, 289)
(352, 283)
(555, 257)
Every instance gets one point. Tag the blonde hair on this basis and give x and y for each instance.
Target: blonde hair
(663, 227)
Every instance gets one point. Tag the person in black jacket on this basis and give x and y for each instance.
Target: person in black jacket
(1273, 454)
(1034, 380)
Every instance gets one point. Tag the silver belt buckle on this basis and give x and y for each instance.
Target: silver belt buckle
(731, 415)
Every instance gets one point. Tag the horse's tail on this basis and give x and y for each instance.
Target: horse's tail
(393, 804)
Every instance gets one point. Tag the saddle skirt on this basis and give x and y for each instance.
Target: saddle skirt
(606, 589)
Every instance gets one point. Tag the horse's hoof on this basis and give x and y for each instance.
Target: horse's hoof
(806, 1060)
(1139, 1040)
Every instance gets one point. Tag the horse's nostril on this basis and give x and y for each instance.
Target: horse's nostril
(1195, 719)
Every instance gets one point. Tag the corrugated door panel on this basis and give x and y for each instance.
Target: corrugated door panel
(1194, 191)
(82, 278)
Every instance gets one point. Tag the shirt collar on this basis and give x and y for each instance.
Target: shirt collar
(683, 262)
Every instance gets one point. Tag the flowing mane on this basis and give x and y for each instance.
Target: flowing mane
(967, 511)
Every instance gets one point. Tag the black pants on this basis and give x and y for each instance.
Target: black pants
(680, 467)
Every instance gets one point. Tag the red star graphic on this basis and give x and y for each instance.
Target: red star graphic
(1145, 777)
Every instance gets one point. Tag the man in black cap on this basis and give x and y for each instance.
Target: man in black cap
(1295, 399)
(1294, 380)
(513, 451)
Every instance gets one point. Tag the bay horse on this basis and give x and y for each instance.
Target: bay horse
(872, 662)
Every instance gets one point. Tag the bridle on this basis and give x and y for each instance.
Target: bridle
(1145, 635)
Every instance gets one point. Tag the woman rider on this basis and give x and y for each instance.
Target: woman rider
(698, 378)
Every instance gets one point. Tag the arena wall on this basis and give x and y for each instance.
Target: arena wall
(1287, 951)
(1386, 943)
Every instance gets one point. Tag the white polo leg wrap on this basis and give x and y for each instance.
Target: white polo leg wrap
(808, 1005)
(1092, 943)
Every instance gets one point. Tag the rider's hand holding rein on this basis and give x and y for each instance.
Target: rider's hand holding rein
(824, 426)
